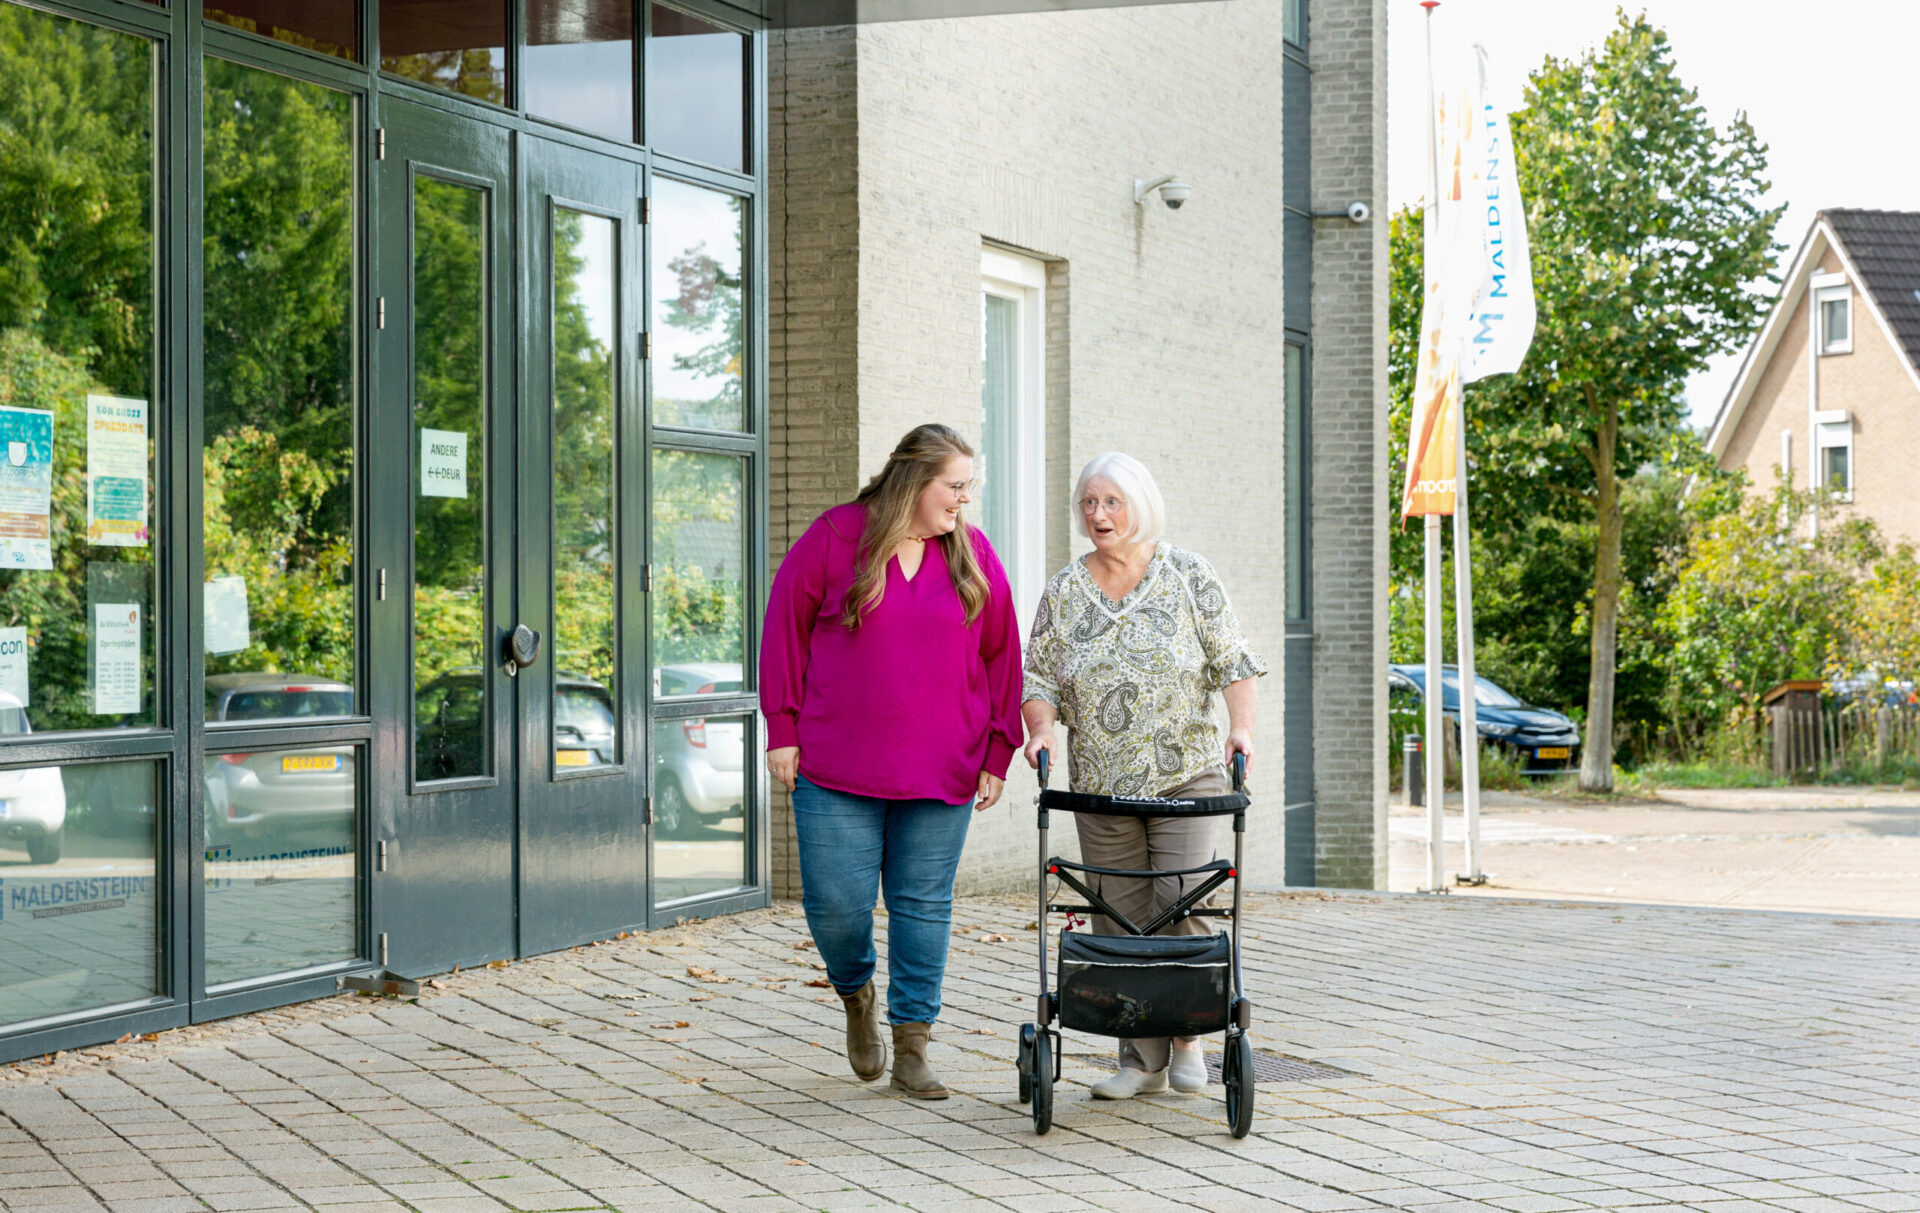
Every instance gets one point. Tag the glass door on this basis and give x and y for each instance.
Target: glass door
(444, 660)
(582, 750)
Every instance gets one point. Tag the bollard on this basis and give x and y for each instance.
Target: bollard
(1413, 770)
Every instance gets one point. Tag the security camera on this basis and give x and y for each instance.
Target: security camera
(1172, 190)
(1359, 212)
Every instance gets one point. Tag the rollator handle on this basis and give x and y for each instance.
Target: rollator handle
(1239, 773)
(1046, 766)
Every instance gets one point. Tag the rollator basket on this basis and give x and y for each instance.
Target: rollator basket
(1145, 985)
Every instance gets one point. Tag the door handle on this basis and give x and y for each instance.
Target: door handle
(519, 649)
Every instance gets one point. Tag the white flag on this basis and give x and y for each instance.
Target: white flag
(1500, 326)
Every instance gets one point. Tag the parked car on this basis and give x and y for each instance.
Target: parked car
(697, 762)
(277, 791)
(1545, 742)
(33, 802)
(450, 730)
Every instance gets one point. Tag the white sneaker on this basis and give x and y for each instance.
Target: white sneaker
(1130, 1082)
(1187, 1070)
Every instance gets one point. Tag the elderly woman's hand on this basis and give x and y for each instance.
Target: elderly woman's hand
(1240, 741)
(1042, 740)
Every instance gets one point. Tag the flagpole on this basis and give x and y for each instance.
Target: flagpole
(1436, 750)
(1463, 621)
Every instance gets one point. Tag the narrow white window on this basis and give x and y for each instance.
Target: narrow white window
(1013, 455)
(1835, 304)
(1833, 453)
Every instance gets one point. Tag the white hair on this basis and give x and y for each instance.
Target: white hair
(1146, 509)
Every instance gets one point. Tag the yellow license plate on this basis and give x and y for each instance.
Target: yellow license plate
(572, 758)
(306, 764)
(1556, 751)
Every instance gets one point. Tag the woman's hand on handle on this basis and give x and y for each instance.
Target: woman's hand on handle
(1239, 741)
(1039, 742)
(784, 764)
(989, 793)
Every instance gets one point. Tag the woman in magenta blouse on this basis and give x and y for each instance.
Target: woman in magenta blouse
(890, 678)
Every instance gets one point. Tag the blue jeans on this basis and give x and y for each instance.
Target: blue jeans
(852, 847)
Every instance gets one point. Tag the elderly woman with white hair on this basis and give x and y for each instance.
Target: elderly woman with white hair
(1129, 645)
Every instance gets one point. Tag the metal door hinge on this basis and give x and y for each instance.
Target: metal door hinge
(646, 579)
(380, 595)
(383, 949)
(646, 210)
(380, 312)
(380, 143)
(646, 346)
(646, 811)
(380, 856)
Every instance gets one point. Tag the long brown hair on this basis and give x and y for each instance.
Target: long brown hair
(891, 498)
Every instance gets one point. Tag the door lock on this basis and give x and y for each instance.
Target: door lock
(520, 648)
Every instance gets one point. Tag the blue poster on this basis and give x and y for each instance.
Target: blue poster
(26, 488)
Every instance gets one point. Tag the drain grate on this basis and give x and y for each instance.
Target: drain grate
(1267, 1067)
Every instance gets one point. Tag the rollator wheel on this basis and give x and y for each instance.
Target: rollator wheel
(1025, 1063)
(1042, 1078)
(1236, 1075)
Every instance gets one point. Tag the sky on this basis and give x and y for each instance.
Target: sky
(1828, 87)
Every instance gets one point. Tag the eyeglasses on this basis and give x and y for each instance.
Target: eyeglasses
(963, 488)
(1113, 505)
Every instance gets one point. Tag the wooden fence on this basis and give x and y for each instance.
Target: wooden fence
(1817, 738)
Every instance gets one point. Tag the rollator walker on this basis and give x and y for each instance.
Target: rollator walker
(1142, 983)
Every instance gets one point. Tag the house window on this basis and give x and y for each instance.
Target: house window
(1012, 505)
(1836, 319)
(1834, 457)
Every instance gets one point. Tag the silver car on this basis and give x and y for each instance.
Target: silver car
(33, 802)
(276, 791)
(696, 761)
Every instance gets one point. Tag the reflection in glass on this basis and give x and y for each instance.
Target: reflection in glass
(278, 511)
(699, 823)
(577, 67)
(698, 339)
(449, 452)
(696, 89)
(327, 26)
(1296, 481)
(585, 315)
(999, 402)
(76, 371)
(457, 45)
(699, 555)
(280, 861)
(77, 889)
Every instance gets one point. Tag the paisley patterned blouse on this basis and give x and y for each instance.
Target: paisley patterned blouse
(1134, 679)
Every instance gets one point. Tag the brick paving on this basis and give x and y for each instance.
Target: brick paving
(1530, 1057)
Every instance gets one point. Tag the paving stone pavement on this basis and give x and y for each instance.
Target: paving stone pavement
(1530, 1057)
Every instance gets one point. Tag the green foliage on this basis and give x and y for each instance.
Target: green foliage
(698, 544)
(1648, 242)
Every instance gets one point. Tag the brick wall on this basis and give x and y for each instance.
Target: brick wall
(1164, 328)
(1347, 50)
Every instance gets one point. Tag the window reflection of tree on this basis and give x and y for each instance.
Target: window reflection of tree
(583, 444)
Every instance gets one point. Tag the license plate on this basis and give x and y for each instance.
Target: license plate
(307, 764)
(1556, 751)
(572, 758)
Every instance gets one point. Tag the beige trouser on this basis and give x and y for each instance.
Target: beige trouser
(1151, 842)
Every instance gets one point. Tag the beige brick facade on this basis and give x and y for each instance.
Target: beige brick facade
(1164, 334)
(1873, 383)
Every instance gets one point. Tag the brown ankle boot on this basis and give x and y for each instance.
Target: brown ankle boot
(910, 1070)
(865, 1050)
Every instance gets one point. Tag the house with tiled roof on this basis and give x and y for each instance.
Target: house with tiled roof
(1829, 393)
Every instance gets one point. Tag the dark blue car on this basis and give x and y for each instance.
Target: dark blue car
(1544, 741)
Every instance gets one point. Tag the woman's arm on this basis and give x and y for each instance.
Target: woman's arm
(1000, 652)
(793, 604)
(1040, 717)
(1243, 701)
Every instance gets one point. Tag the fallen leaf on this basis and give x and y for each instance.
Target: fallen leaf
(816, 1044)
(707, 975)
(991, 938)
(980, 1032)
(124, 1039)
(47, 1060)
(456, 970)
(436, 983)
(496, 964)
(696, 1081)
(818, 983)
(150, 1037)
(819, 966)
(796, 1162)
(632, 1014)
(1034, 925)
(803, 945)
(623, 935)
(700, 998)
(678, 1023)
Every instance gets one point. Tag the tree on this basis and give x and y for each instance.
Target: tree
(1648, 241)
